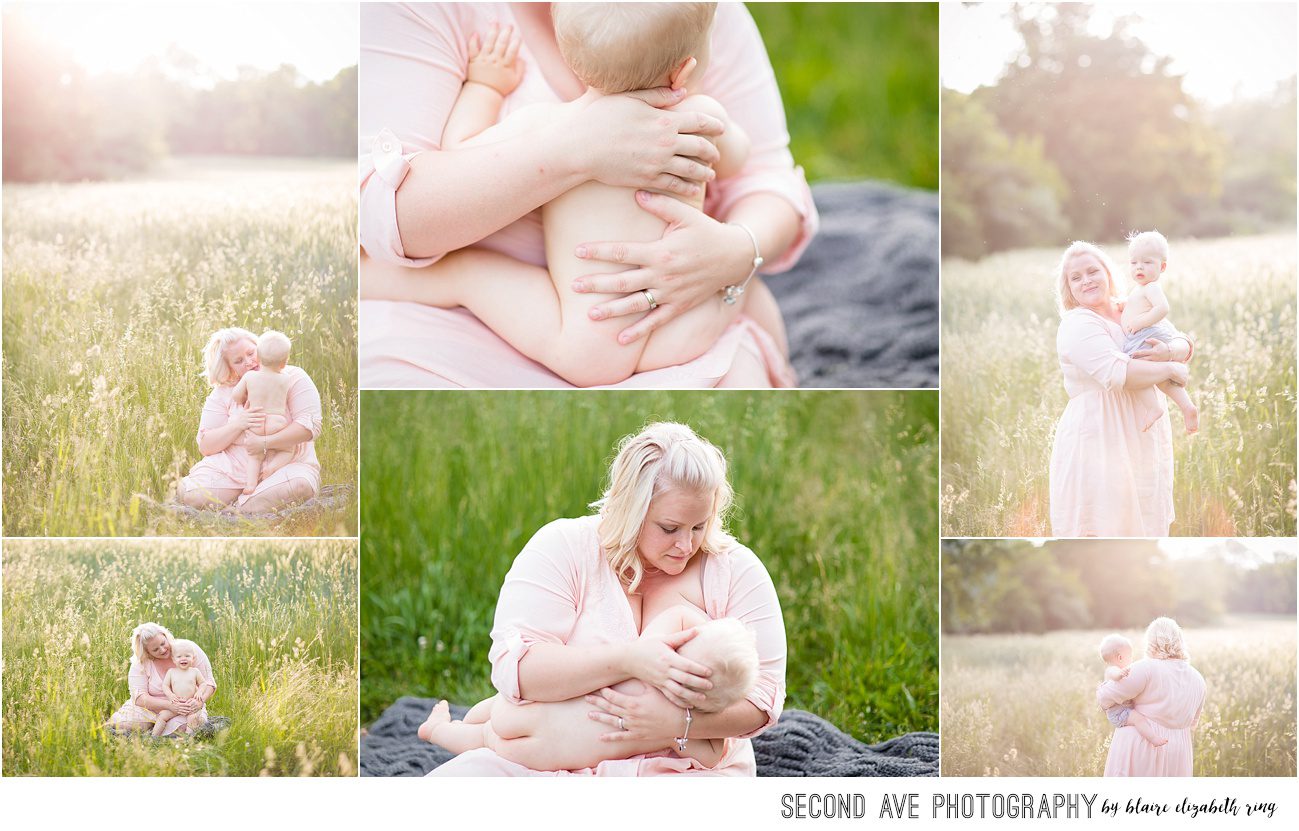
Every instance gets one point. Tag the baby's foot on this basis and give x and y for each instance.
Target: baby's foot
(1159, 741)
(1150, 417)
(441, 715)
(1191, 417)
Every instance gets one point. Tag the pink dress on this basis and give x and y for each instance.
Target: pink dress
(414, 59)
(562, 590)
(145, 678)
(1108, 477)
(1170, 693)
(226, 469)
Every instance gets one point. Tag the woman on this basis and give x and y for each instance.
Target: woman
(1109, 477)
(150, 660)
(1169, 692)
(419, 202)
(217, 480)
(568, 620)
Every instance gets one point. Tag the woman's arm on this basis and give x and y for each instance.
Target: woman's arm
(218, 428)
(1085, 342)
(557, 672)
(305, 413)
(1142, 374)
(649, 716)
(1116, 692)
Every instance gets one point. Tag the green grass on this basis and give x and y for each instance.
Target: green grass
(1002, 391)
(277, 619)
(110, 292)
(1025, 705)
(835, 495)
(860, 87)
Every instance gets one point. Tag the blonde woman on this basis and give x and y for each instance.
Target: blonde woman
(569, 618)
(225, 440)
(151, 658)
(1110, 477)
(1169, 693)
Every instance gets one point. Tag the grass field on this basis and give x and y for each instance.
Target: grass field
(110, 292)
(1025, 705)
(277, 620)
(1002, 392)
(835, 495)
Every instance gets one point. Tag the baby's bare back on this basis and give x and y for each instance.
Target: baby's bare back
(268, 390)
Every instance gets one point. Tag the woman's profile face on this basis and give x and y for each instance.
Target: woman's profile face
(158, 647)
(241, 356)
(673, 530)
(1088, 282)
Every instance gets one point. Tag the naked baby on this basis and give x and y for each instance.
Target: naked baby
(182, 682)
(1116, 652)
(268, 388)
(561, 736)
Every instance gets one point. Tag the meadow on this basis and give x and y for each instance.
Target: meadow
(277, 619)
(112, 289)
(834, 494)
(1025, 705)
(1003, 394)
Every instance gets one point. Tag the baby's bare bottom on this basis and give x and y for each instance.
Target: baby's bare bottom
(1142, 725)
(259, 467)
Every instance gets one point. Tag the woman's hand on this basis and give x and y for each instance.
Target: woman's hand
(695, 259)
(249, 418)
(654, 660)
(636, 717)
(188, 707)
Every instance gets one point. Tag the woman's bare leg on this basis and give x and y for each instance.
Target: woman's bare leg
(279, 496)
(205, 498)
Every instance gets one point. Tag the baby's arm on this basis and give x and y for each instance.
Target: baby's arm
(674, 619)
(495, 70)
(732, 145)
(240, 393)
(1115, 673)
(1158, 308)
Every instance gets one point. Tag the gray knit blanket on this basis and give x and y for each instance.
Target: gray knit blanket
(861, 306)
(330, 498)
(800, 744)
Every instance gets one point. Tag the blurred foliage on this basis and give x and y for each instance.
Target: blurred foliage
(63, 124)
(1109, 119)
(860, 87)
(1015, 586)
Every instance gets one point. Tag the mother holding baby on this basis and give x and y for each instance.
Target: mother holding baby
(151, 657)
(1110, 475)
(569, 618)
(218, 479)
(420, 202)
(1169, 692)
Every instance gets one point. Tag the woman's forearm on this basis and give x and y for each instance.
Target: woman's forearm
(736, 720)
(218, 439)
(557, 672)
(289, 438)
(152, 702)
(773, 221)
(205, 692)
(1143, 374)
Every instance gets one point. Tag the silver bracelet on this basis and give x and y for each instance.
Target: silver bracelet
(732, 293)
(681, 742)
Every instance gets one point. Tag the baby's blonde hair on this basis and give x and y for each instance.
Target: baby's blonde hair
(619, 47)
(215, 366)
(1164, 640)
(1075, 249)
(273, 348)
(1111, 644)
(141, 636)
(727, 648)
(661, 457)
(1151, 237)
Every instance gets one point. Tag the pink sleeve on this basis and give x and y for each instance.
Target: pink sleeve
(1116, 692)
(538, 604)
(216, 412)
(1086, 343)
(204, 667)
(137, 683)
(740, 77)
(414, 59)
(754, 602)
(304, 403)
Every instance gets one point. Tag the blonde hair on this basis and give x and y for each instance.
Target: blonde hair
(273, 348)
(1075, 249)
(660, 457)
(181, 646)
(1111, 644)
(1164, 640)
(729, 649)
(619, 47)
(140, 637)
(215, 366)
(1149, 237)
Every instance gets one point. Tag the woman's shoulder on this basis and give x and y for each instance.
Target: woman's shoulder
(570, 537)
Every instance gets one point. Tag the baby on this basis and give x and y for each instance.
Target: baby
(560, 735)
(180, 683)
(267, 388)
(1144, 318)
(1116, 652)
(612, 48)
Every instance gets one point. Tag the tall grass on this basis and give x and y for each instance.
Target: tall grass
(111, 290)
(277, 620)
(1025, 705)
(834, 491)
(1002, 393)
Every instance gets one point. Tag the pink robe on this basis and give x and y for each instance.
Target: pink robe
(1108, 477)
(562, 590)
(226, 469)
(414, 59)
(145, 678)
(1170, 693)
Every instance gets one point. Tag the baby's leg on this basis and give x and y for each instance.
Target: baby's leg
(1180, 397)
(760, 304)
(480, 712)
(1149, 409)
(1142, 725)
(274, 460)
(456, 736)
(160, 726)
(254, 469)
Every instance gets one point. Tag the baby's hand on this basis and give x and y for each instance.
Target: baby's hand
(1123, 673)
(495, 62)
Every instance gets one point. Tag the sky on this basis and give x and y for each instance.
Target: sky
(1221, 47)
(317, 38)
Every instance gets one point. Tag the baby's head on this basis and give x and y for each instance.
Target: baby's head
(728, 649)
(619, 47)
(273, 350)
(184, 653)
(1147, 256)
(1116, 651)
